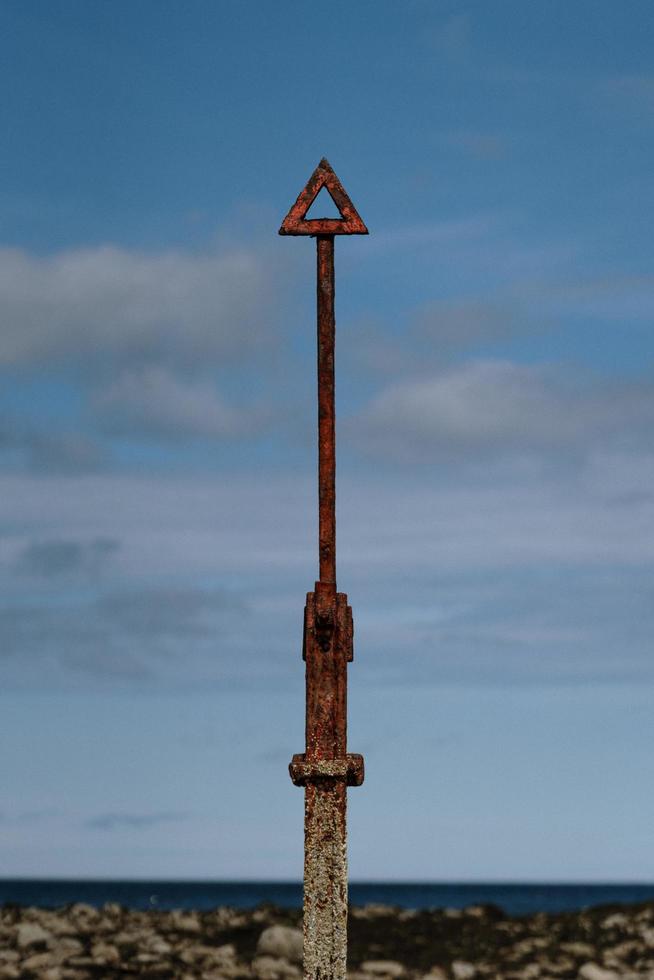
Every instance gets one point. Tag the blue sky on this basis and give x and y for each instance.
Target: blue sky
(495, 399)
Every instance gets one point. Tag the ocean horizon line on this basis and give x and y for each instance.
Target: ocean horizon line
(409, 882)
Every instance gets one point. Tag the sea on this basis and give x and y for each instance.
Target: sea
(513, 898)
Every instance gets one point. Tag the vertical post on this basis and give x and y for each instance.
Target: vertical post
(326, 410)
(325, 769)
(325, 853)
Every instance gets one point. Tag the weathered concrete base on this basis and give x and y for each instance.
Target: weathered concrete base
(325, 880)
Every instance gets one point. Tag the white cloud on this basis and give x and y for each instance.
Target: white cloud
(495, 407)
(152, 402)
(113, 303)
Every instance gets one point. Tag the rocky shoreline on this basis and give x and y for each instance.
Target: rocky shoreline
(79, 942)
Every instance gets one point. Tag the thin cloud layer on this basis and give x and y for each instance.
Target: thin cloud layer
(51, 559)
(133, 821)
(526, 577)
(152, 402)
(118, 304)
(497, 407)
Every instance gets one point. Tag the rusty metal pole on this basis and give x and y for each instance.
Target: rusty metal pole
(325, 768)
(326, 410)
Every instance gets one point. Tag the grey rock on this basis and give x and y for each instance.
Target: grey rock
(37, 962)
(113, 909)
(68, 946)
(156, 944)
(462, 970)
(383, 968)
(435, 973)
(127, 943)
(184, 922)
(530, 972)
(105, 953)
(80, 910)
(618, 920)
(283, 942)
(373, 910)
(476, 911)
(32, 934)
(593, 971)
(274, 968)
(582, 951)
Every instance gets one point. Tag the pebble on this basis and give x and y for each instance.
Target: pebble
(31, 934)
(383, 968)
(462, 970)
(592, 971)
(435, 973)
(274, 968)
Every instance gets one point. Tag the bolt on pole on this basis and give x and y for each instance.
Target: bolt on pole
(325, 769)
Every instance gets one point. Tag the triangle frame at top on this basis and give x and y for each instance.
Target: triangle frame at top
(296, 222)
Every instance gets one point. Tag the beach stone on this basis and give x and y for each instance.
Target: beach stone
(582, 951)
(527, 947)
(81, 961)
(37, 962)
(60, 926)
(462, 970)
(147, 958)
(32, 934)
(69, 946)
(283, 942)
(373, 910)
(113, 909)
(160, 947)
(622, 953)
(222, 958)
(184, 921)
(225, 952)
(191, 955)
(618, 920)
(9, 972)
(476, 911)
(274, 968)
(80, 910)
(127, 943)
(105, 953)
(383, 968)
(592, 971)
(435, 973)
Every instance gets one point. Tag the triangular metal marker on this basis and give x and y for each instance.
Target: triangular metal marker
(350, 223)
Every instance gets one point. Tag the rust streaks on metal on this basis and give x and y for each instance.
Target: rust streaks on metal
(325, 769)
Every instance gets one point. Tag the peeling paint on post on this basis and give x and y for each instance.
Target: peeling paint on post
(325, 769)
